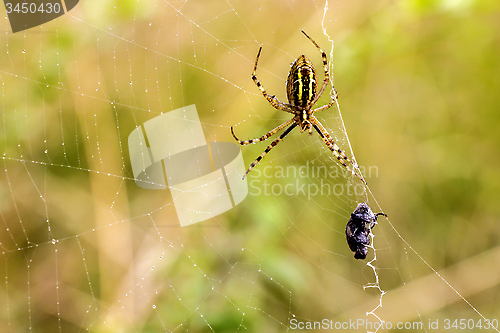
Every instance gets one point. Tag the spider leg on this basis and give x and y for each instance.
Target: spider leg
(337, 152)
(327, 106)
(262, 138)
(324, 107)
(271, 98)
(324, 133)
(271, 146)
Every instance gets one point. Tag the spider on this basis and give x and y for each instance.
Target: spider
(358, 230)
(302, 94)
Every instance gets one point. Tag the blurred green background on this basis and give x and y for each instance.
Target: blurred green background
(85, 249)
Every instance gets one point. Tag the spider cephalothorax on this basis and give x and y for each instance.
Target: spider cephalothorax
(302, 92)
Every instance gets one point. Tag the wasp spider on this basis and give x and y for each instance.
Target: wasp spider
(302, 93)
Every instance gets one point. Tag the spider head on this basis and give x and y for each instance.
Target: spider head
(302, 118)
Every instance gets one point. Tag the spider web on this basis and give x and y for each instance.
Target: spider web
(85, 249)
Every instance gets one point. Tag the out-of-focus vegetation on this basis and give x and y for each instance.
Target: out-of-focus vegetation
(418, 86)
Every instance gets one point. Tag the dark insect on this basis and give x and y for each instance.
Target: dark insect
(358, 230)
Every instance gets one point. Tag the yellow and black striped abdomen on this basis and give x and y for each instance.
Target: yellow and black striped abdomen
(301, 86)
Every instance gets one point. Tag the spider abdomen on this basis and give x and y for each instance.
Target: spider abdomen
(301, 86)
